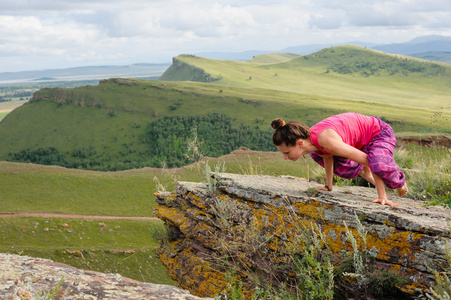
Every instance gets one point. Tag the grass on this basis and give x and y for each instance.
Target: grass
(428, 173)
(8, 106)
(52, 189)
(111, 246)
(33, 188)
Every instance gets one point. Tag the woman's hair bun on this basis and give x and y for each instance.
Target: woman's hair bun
(277, 123)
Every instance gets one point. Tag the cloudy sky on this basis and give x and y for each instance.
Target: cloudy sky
(52, 34)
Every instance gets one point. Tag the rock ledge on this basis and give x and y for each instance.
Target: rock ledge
(24, 277)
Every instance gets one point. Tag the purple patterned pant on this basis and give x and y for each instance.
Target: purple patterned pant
(380, 159)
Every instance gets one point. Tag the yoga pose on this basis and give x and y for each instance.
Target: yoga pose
(346, 145)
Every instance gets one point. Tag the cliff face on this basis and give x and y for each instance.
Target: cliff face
(24, 277)
(256, 224)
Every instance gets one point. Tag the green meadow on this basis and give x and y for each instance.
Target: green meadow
(53, 189)
(111, 246)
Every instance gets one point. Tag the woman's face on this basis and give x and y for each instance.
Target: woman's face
(291, 152)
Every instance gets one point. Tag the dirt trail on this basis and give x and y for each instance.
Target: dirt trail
(49, 215)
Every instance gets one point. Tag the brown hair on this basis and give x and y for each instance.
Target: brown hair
(289, 132)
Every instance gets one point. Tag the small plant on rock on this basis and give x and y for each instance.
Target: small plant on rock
(209, 178)
(359, 276)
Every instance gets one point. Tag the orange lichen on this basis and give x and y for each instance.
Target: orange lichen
(193, 273)
(197, 201)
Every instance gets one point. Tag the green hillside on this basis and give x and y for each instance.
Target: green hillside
(129, 123)
(345, 72)
(115, 125)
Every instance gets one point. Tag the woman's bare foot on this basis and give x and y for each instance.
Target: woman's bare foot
(402, 190)
(385, 201)
(367, 174)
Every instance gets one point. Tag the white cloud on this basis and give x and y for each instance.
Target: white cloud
(39, 32)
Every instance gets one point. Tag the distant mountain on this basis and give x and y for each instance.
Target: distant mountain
(85, 73)
(415, 47)
(431, 47)
(434, 56)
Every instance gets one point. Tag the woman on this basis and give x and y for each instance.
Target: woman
(346, 145)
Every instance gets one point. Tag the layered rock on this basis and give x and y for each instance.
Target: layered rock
(23, 277)
(253, 223)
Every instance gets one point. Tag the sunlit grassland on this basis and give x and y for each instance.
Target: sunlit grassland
(10, 105)
(51, 189)
(428, 172)
(305, 76)
(79, 125)
(273, 103)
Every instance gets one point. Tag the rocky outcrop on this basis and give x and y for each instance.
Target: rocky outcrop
(23, 277)
(251, 224)
(182, 71)
(431, 141)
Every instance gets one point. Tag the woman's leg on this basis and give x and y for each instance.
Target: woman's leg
(402, 191)
(367, 175)
(381, 195)
(381, 161)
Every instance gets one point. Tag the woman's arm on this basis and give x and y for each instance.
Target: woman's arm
(333, 144)
(329, 167)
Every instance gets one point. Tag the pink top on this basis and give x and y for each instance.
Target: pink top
(356, 130)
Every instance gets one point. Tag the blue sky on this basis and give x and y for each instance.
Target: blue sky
(52, 34)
